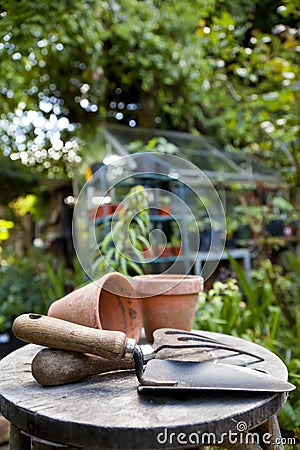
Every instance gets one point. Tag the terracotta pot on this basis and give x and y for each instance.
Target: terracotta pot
(168, 301)
(100, 212)
(158, 251)
(164, 211)
(176, 250)
(109, 303)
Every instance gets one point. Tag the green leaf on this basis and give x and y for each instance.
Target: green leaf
(142, 226)
(243, 280)
(144, 241)
(106, 241)
(135, 267)
(124, 263)
(133, 237)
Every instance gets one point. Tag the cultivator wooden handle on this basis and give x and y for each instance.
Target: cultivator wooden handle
(60, 334)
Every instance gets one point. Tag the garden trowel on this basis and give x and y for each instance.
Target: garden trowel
(158, 374)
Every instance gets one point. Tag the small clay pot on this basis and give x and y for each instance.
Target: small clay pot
(110, 303)
(168, 301)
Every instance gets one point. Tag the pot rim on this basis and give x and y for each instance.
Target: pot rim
(162, 284)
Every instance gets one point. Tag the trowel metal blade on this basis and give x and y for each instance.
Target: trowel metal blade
(170, 374)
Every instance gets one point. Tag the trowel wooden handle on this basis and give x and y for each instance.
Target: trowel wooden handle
(56, 367)
(57, 333)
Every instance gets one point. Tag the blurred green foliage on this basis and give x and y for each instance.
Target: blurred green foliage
(218, 68)
(32, 283)
(19, 291)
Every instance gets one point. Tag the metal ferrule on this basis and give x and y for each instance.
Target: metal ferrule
(130, 345)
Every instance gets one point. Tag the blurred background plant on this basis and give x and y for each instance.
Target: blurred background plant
(31, 283)
(122, 247)
(19, 291)
(262, 307)
(5, 227)
(156, 144)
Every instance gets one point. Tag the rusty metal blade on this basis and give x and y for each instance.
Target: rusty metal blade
(170, 374)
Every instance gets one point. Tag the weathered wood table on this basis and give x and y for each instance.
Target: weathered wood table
(107, 412)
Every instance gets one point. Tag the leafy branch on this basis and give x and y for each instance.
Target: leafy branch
(122, 247)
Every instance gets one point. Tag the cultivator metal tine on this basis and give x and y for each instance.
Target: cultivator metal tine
(179, 339)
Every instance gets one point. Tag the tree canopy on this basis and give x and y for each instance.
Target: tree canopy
(218, 68)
